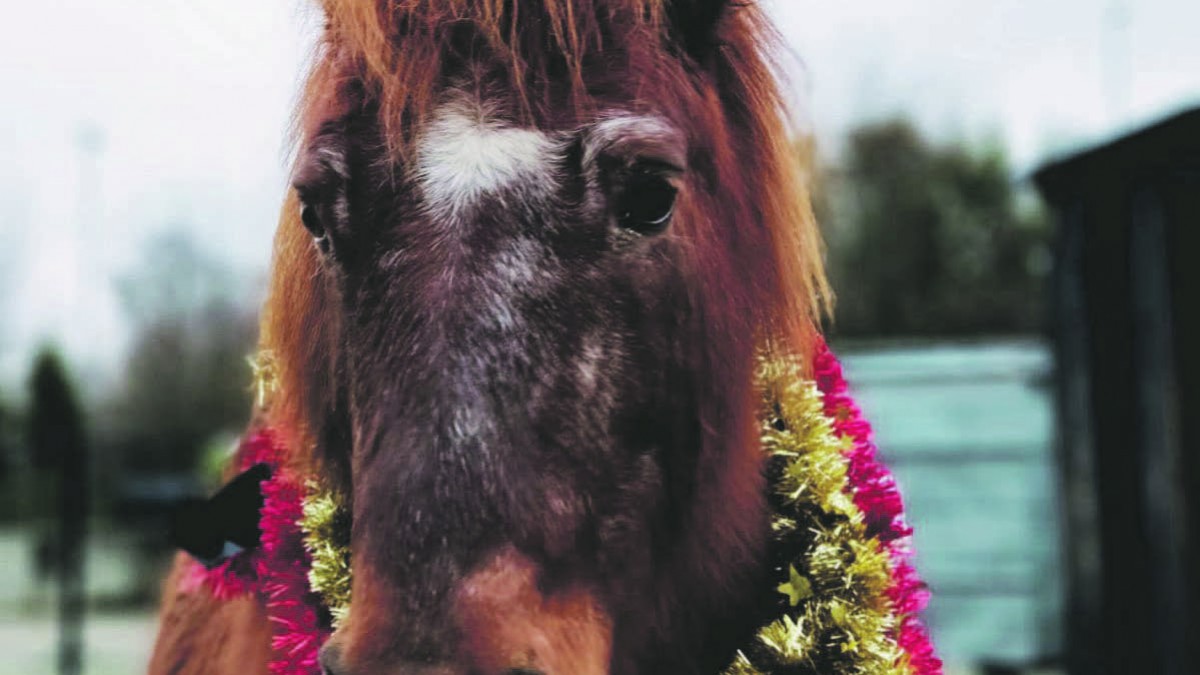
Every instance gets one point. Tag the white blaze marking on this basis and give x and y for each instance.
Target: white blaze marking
(465, 153)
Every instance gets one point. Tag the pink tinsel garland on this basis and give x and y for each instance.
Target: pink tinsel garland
(875, 492)
(278, 570)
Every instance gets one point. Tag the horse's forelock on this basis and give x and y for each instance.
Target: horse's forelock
(401, 47)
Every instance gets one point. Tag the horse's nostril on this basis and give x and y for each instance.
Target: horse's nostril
(330, 659)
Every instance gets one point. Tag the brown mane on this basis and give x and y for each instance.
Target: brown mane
(395, 50)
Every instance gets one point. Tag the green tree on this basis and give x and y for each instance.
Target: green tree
(186, 377)
(6, 441)
(11, 492)
(56, 433)
(58, 446)
(184, 382)
(927, 239)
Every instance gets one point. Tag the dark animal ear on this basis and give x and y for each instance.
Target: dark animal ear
(694, 24)
(216, 529)
(321, 181)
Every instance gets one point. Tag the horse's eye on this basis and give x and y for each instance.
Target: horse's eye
(647, 203)
(312, 223)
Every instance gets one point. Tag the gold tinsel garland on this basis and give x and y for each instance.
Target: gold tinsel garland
(834, 615)
(326, 530)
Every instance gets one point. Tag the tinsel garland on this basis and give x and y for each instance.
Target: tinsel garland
(848, 597)
(326, 529)
(277, 570)
(877, 496)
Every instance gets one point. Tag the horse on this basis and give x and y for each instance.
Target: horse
(531, 254)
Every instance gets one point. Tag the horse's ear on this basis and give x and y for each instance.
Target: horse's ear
(694, 24)
(215, 529)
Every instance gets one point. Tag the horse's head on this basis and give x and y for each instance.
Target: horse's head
(534, 247)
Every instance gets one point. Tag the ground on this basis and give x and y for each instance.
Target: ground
(116, 644)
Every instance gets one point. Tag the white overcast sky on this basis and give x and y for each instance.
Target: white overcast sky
(193, 98)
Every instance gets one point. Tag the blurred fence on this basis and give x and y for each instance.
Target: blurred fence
(968, 430)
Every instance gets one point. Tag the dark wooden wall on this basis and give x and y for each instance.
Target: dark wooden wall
(1125, 299)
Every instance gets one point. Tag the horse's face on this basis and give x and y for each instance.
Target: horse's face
(516, 309)
(511, 329)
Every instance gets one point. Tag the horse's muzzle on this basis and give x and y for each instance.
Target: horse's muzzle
(505, 622)
(331, 664)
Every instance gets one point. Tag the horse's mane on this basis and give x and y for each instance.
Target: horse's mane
(760, 267)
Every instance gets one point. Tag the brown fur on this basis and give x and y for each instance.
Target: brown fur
(510, 621)
(204, 636)
(749, 245)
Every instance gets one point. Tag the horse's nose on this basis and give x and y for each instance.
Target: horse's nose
(333, 663)
(330, 659)
(401, 669)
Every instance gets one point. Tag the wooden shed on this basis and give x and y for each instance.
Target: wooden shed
(1125, 294)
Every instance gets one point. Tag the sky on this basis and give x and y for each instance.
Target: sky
(123, 119)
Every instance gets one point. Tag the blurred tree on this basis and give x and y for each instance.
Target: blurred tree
(184, 382)
(58, 445)
(929, 240)
(12, 491)
(186, 377)
(55, 418)
(7, 444)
